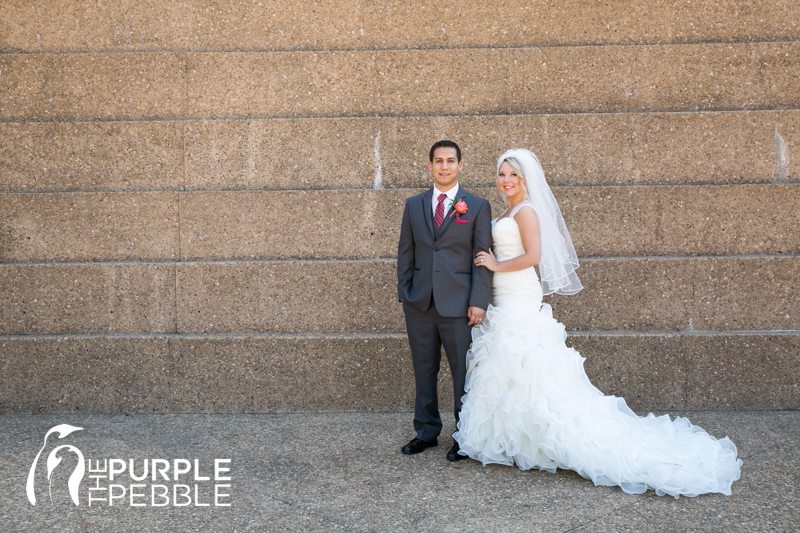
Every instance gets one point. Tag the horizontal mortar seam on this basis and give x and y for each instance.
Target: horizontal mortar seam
(34, 336)
(390, 49)
(197, 118)
(389, 335)
(683, 333)
(394, 189)
(410, 116)
(375, 260)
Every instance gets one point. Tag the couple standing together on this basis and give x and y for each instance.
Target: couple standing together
(521, 396)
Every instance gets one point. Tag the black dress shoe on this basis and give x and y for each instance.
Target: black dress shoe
(453, 454)
(417, 445)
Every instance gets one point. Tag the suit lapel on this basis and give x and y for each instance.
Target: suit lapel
(426, 210)
(462, 193)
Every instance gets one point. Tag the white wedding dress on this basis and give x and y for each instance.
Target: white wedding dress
(529, 402)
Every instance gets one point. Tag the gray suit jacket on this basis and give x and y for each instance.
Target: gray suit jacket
(440, 263)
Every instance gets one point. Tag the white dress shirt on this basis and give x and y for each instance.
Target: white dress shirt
(448, 203)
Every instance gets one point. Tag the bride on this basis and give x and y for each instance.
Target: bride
(528, 401)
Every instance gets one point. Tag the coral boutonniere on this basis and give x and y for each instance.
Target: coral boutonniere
(459, 208)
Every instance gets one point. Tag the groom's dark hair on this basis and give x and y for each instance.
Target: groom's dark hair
(445, 144)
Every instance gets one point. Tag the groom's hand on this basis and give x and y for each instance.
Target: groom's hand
(475, 315)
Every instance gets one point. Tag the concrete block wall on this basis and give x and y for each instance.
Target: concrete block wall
(200, 201)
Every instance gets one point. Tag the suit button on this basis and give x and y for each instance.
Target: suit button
(436, 249)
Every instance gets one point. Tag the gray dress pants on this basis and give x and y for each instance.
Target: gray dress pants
(428, 331)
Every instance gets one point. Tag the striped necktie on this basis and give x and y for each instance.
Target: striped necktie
(439, 218)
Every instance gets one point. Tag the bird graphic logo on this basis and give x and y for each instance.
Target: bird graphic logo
(53, 460)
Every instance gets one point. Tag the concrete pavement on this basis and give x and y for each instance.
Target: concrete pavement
(345, 472)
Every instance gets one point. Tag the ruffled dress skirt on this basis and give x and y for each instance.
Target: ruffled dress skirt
(529, 403)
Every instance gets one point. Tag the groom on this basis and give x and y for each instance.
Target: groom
(443, 292)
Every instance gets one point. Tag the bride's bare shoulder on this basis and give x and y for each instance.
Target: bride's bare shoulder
(524, 207)
(526, 218)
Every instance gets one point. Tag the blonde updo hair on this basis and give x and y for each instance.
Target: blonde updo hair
(516, 167)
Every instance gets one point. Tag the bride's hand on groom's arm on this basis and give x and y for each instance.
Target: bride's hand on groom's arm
(487, 260)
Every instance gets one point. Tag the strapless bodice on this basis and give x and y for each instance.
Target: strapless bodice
(507, 240)
(520, 289)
